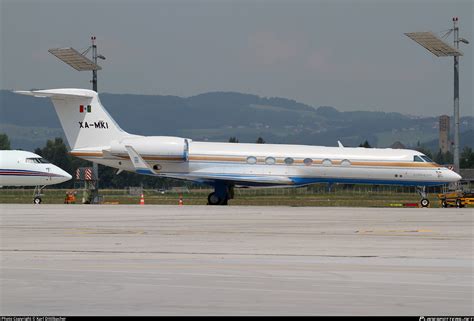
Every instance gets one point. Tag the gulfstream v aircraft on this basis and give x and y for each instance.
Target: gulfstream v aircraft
(21, 168)
(93, 135)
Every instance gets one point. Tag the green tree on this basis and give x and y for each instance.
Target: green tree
(423, 150)
(4, 142)
(365, 144)
(56, 152)
(466, 158)
(443, 158)
(260, 141)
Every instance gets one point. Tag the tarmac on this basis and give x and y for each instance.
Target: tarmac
(217, 260)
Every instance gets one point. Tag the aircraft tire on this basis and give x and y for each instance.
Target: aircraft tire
(424, 202)
(213, 199)
(37, 200)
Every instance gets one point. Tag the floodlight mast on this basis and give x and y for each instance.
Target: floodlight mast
(80, 62)
(442, 49)
(94, 71)
(456, 98)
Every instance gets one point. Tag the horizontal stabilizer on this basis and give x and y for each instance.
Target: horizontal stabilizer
(59, 93)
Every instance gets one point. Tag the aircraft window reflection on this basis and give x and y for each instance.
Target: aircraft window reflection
(417, 159)
(327, 162)
(426, 158)
(308, 161)
(270, 160)
(289, 161)
(37, 161)
(251, 160)
(345, 162)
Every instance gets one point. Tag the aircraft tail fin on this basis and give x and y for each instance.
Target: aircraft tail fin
(85, 121)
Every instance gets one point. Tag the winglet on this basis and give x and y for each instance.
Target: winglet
(141, 167)
(340, 144)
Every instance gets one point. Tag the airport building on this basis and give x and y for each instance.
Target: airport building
(444, 143)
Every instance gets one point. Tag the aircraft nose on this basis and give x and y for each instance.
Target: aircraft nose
(63, 176)
(453, 176)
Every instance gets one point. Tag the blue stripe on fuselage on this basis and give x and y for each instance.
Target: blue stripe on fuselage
(314, 180)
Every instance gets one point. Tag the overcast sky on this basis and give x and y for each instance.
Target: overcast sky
(352, 55)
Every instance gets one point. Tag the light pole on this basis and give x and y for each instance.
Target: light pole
(441, 49)
(80, 62)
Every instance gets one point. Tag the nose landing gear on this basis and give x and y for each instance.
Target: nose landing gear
(37, 194)
(424, 202)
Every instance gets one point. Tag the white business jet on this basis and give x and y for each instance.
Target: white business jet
(93, 135)
(22, 168)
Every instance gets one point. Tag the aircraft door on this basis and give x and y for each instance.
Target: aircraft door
(48, 170)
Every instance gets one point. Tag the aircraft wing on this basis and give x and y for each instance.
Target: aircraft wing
(241, 180)
(141, 167)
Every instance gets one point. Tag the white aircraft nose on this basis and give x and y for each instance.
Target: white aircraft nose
(453, 176)
(62, 176)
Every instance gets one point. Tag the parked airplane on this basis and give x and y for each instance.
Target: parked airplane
(93, 135)
(22, 168)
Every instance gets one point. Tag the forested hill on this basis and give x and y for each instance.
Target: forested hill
(216, 116)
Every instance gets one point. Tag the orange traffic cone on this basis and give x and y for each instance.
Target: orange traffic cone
(142, 200)
(180, 202)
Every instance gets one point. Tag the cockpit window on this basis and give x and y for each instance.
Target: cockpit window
(417, 159)
(37, 160)
(426, 158)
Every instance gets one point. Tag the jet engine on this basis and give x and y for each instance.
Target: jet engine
(154, 147)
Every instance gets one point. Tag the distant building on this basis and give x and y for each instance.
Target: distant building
(444, 143)
(397, 145)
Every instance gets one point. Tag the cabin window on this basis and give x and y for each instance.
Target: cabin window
(417, 159)
(270, 160)
(289, 161)
(426, 158)
(345, 162)
(327, 162)
(157, 167)
(252, 160)
(308, 161)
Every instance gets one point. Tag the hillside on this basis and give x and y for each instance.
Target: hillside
(216, 116)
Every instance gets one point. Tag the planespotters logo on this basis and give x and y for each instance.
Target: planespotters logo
(446, 318)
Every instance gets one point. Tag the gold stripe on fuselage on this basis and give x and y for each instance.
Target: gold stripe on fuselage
(261, 160)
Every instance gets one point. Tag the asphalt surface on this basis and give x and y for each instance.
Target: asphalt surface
(206, 260)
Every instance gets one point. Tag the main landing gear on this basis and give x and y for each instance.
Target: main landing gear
(221, 195)
(424, 202)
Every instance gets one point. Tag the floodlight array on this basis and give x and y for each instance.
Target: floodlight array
(74, 59)
(435, 45)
